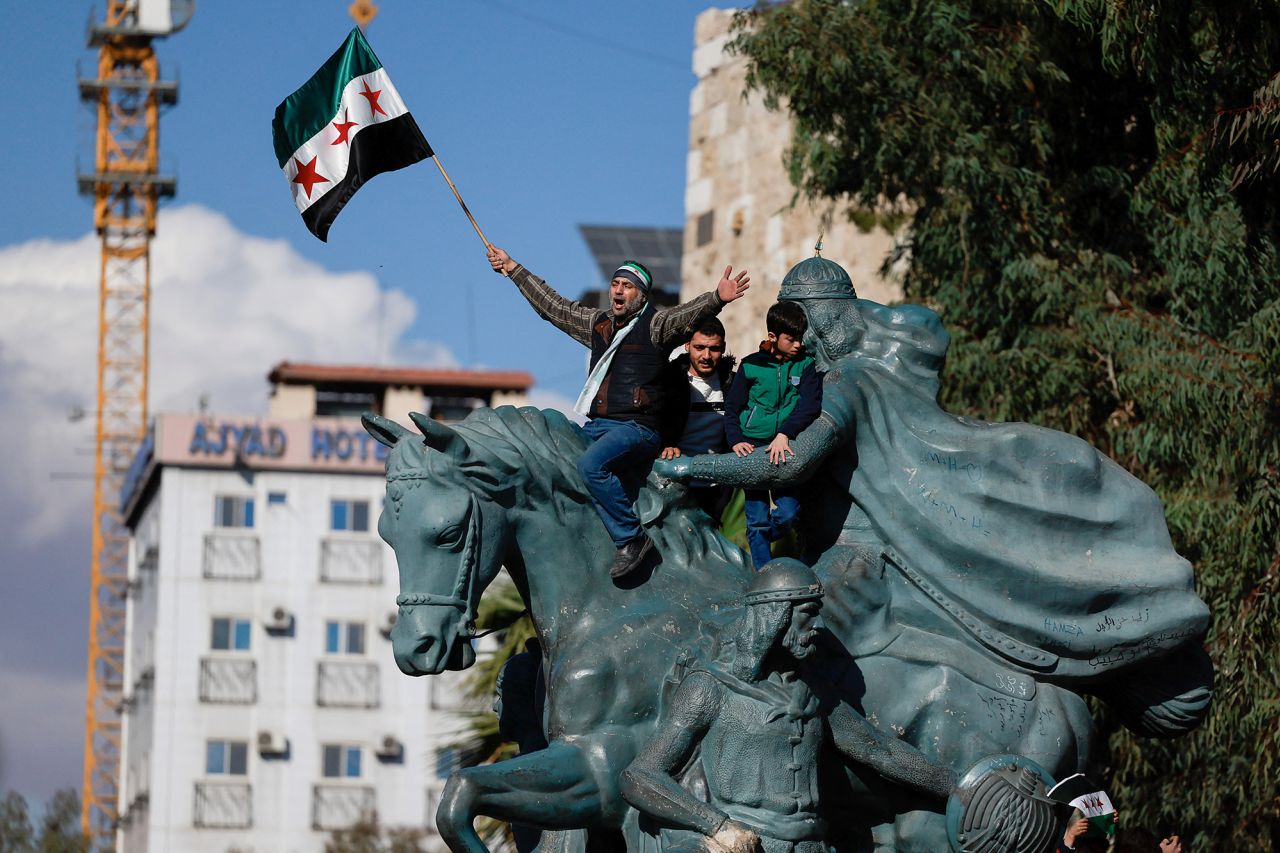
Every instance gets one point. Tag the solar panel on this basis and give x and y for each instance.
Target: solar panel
(659, 249)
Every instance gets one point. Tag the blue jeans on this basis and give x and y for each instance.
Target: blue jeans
(612, 468)
(764, 526)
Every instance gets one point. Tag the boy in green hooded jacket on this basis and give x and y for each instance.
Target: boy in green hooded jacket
(776, 394)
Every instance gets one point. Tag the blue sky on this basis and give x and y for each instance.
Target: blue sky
(546, 115)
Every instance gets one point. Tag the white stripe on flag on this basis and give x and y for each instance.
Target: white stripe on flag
(332, 160)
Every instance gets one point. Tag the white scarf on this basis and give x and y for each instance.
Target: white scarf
(596, 377)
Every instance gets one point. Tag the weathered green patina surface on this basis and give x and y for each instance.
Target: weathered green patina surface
(979, 579)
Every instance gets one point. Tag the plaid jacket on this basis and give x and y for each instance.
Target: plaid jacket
(668, 327)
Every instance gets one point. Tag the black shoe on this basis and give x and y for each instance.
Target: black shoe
(630, 556)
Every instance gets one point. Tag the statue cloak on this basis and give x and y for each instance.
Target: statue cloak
(1019, 528)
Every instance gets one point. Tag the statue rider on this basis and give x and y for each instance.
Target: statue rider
(757, 718)
(984, 525)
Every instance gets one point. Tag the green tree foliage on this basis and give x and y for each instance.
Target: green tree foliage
(16, 835)
(1092, 203)
(59, 827)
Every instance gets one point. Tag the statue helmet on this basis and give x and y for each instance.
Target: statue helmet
(816, 278)
(783, 579)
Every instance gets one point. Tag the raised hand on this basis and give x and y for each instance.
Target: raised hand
(731, 286)
(1074, 831)
(500, 261)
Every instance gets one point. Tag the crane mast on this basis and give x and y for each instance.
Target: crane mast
(126, 187)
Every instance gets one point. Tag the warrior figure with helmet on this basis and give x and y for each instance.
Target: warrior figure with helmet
(757, 717)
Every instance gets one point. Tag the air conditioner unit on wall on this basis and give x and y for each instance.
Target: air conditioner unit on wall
(278, 620)
(272, 743)
(390, 748)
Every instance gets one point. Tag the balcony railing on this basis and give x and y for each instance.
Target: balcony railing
(347, 684)
(340, 806)
(232, 556)
(350, 561)
(228, 681)
(223, 805)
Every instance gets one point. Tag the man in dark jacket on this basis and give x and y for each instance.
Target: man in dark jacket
(695, 410)
(625, 394)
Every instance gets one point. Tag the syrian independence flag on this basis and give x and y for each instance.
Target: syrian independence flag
(345, 125)
(1090, 800)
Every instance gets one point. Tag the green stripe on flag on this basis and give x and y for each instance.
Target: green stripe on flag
(306, 112)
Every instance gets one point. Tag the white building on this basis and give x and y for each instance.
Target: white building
(263, 706)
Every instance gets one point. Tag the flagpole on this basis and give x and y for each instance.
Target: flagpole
(471, 218)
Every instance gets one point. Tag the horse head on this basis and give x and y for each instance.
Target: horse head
(448, 538)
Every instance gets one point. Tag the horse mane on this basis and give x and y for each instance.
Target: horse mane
(523, 451)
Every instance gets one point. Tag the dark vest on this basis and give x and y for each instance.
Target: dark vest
(634, 389)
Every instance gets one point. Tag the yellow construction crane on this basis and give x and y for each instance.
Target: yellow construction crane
(126, 186)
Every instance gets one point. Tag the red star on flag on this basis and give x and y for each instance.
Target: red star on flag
(372, 98)
(307, 175)
(343, 127)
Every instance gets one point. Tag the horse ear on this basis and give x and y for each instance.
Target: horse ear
(440, 437)
(386, 431)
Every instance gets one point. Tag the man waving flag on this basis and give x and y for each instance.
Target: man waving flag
(342, 127)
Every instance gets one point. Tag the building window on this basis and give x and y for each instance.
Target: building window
(450, 410)
(706, 222)
(446, 762)
(277, 498)
(344, 638)
(348, 515)
(226, 757)
(232, 511)
(230, 634)
(341, 761)
(345, 404)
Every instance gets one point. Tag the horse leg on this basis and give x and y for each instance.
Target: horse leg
(552, 788)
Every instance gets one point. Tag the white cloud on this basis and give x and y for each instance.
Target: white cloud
(547, 399)
(225, 307)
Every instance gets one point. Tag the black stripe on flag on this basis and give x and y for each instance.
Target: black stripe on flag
(382, 147)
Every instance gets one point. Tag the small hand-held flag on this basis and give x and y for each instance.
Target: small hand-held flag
(1088, 798)
(342, 127)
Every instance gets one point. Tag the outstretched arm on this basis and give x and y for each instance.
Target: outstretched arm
(862, 743)
(569, 316)
(755, 470)
(649, 782)
(671, 325)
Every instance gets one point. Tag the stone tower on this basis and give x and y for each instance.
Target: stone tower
(737, 196)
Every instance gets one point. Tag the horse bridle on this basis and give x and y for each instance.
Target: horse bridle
(461, 597)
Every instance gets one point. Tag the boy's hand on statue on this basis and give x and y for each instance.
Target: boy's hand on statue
(743, 448)
(735, 837)
(500, 261)
(730, 289)
(673, 468)
(779, 448)
(669, 453)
